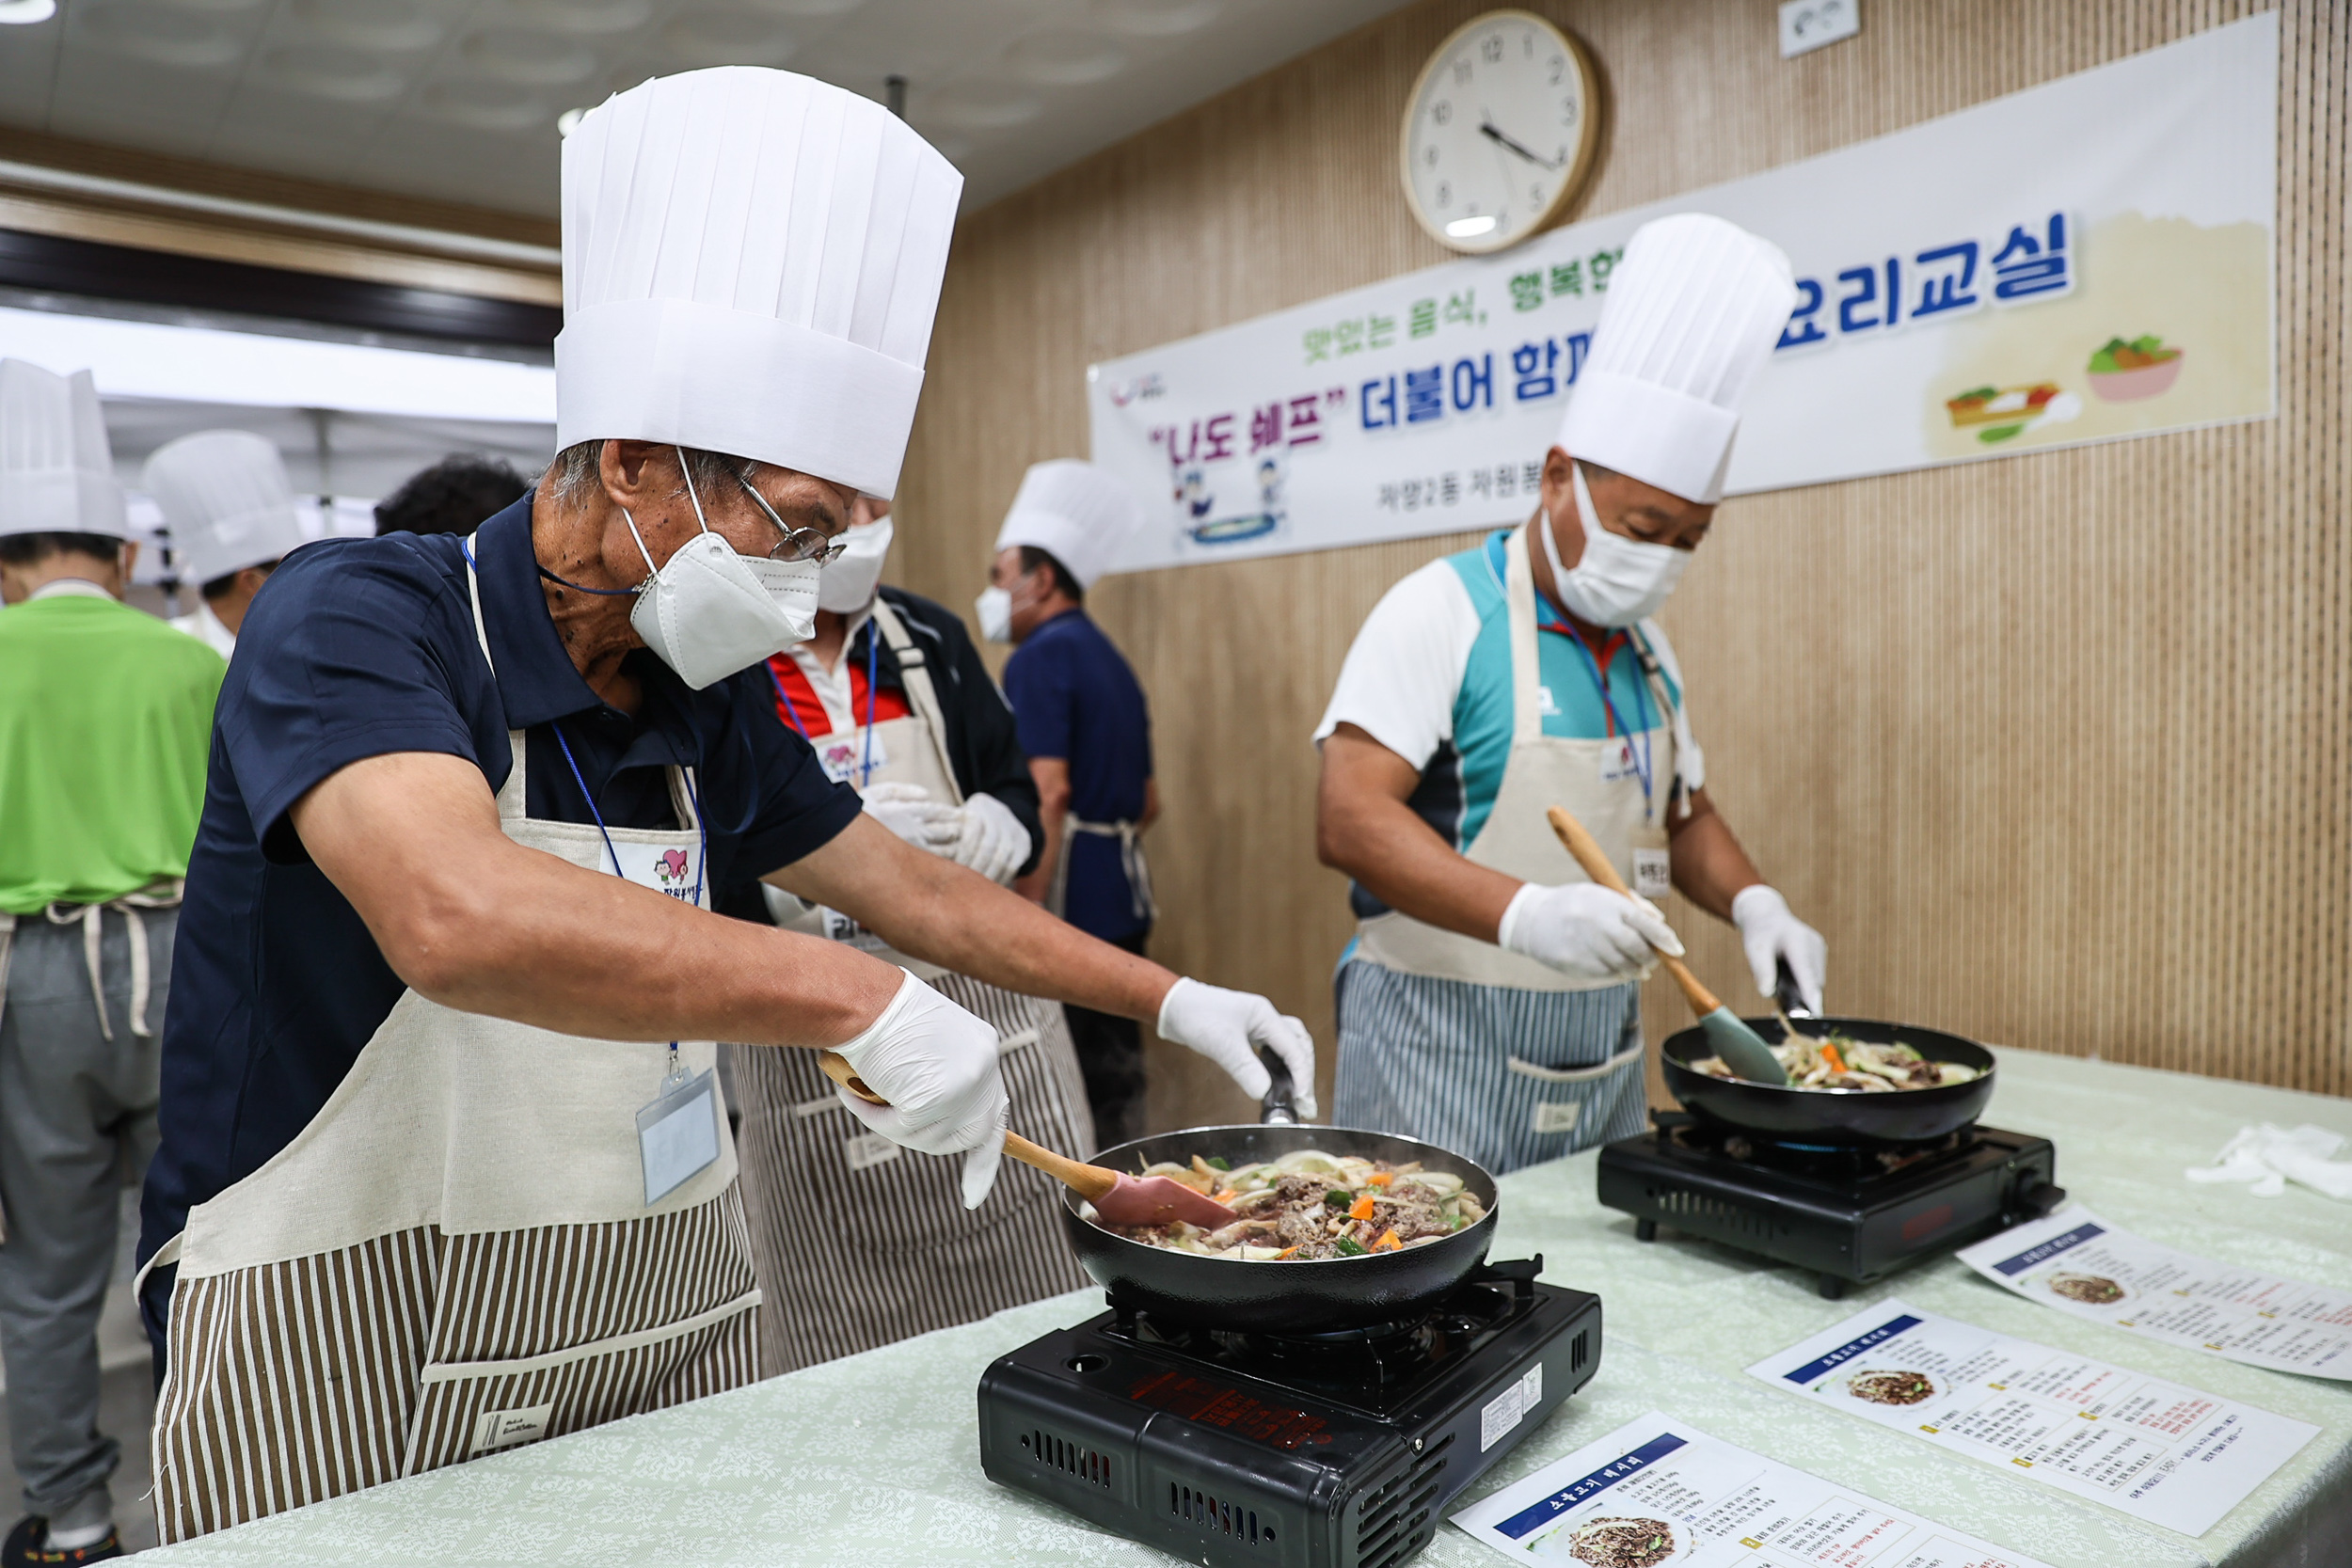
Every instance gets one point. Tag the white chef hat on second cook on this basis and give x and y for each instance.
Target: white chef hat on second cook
(1074, 511)
(225, 497)
(752, 261)
(57, 472)
(1692, 313)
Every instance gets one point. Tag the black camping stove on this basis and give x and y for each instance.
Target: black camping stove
(1335, 1450)
(1851, 1215)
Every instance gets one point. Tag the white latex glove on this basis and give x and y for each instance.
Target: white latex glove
(1586, 932)
(936, 1064)
(1226, 1026)
(992, 841)
(1771, 933)
(908, 810)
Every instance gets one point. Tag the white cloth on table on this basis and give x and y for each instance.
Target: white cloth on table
(2270, 1156)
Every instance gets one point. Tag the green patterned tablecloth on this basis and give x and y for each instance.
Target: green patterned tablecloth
(873, 1461)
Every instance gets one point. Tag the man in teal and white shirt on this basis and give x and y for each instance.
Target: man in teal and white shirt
(1489, 1001)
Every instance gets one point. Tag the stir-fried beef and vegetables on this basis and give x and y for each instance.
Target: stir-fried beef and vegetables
(1310, 1205)
(1622, 1542)
(1835, 1062)
(1890, 1388)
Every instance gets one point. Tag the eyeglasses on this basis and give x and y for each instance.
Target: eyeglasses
(800, 544)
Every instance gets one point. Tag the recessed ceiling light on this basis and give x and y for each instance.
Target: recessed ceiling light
(1470, 229)
(1065, 60)
(569, 121)
(1161, 19)
(18, 13)
(978, 106)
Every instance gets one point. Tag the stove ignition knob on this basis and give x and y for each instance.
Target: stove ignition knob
(2040, 1199)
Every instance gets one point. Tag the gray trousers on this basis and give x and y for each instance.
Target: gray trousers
(77, 1119)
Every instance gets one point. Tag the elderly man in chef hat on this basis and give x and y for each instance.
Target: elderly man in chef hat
(1489, 1001)
(444, 1169)
(225, 497)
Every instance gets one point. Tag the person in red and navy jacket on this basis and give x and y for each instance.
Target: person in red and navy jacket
(893, 697)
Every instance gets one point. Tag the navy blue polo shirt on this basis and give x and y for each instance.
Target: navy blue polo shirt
(1073, 697)
(357, 648)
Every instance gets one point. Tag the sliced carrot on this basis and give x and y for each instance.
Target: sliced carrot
(1388, 1242)
(1829, 1054)
(1227, 1195)
(1284, 1253)
(1382, 1178)
(1360, 1208)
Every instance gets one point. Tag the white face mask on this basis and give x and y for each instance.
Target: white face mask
(849, 578)
(1617, 580)
(994, 609)
(709, 611)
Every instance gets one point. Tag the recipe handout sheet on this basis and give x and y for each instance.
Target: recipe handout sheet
(1659, 1490)
(2080, 1263)
(2172, 1455)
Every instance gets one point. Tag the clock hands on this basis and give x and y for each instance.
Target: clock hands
(1486, 128)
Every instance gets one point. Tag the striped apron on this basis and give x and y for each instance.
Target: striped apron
(455, 1255)
(1465, 1044)
(856, 1242)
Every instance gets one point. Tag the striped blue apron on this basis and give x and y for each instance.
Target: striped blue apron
(1457, 1042)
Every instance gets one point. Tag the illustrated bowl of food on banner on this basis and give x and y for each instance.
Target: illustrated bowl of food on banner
(2130, 370)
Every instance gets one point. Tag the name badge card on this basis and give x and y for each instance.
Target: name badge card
(677, 1135)
(1653, 872)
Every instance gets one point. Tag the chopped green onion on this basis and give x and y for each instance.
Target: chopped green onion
(1338, 1199)
(1221, 1162)
(1350, 1247)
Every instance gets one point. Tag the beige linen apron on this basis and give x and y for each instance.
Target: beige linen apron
(857, 1244)
(455, 1255)
(1467, 1044)
(1543, 771)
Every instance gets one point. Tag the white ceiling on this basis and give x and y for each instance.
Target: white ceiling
(458, 98)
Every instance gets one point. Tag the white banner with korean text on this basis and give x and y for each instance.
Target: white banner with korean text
(2084, 261)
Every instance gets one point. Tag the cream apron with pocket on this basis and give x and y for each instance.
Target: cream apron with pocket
(457, 1255)
(896, 1253)
(1546, 1083)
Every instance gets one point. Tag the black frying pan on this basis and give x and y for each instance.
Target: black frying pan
(1279, 1298)
(1834, 1117)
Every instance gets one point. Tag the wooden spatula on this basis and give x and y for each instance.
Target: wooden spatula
(1129, 1200)
(1741, 1048)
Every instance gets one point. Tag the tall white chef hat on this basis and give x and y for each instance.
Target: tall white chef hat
(224, 494)
(1692, 313)
(1074, 511)
(751, 262)
(57, 472)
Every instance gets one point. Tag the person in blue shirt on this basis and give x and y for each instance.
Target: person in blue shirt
(1490, 1002)
(444, 1166)
(1087, 732)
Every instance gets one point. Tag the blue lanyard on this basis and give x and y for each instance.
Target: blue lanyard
(1640, 754)
(873, 655)
(702, 833)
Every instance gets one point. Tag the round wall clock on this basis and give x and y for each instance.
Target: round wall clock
(1500, 131)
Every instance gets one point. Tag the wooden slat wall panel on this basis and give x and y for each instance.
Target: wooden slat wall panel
(2052, 747)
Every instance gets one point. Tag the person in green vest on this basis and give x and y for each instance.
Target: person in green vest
(105, 720)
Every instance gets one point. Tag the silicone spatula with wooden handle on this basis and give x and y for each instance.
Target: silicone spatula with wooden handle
(1741, 1048)
(1119, 1199)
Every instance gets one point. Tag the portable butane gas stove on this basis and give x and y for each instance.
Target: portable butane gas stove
(1335, 1450)
(1850, 1214)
